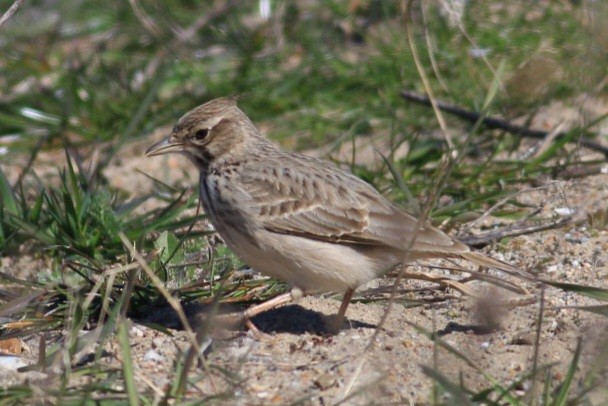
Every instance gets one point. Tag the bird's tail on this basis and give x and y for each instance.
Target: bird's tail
(483, 260)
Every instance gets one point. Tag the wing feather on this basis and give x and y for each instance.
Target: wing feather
(316, 200)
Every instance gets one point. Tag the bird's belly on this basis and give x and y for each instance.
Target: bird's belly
(311, 265)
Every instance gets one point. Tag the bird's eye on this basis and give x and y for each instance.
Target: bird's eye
(201, 134)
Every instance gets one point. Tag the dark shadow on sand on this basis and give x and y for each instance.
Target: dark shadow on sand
(295, 319)
(290, 319)
(453, 327)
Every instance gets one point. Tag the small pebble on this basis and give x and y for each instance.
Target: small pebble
(11, 362)
(137, 331)
(153, 356)
(325, 381)
(564, 211)
(158, 342)
(479, 52)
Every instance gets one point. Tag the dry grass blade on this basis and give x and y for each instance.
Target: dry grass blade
(146, 21)
(498, 205)
(443, 169)
(19, 304)
(459, 284)
(12, 10)
(109, 274)
(174, 303)
(424, 78)
(442, 281)
(431, 47)
(539, 322)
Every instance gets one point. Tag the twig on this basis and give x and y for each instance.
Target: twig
(498, 123)
(12, 9)
(583, 172)
(485, 239)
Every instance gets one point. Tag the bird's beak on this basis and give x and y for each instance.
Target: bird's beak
(164, 147)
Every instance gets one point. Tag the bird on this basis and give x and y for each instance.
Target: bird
(297, 218)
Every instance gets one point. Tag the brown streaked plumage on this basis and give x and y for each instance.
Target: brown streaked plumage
(295, 217)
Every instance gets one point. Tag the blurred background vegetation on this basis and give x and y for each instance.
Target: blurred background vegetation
(80, 73)
(87, 75)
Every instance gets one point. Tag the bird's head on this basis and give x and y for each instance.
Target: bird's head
(208, 132)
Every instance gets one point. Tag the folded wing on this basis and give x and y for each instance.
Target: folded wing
(331, 205)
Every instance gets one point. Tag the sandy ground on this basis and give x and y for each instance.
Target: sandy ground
(297, 358)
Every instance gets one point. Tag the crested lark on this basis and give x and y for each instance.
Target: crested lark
(297, 218)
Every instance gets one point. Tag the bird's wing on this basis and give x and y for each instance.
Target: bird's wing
(314, 199)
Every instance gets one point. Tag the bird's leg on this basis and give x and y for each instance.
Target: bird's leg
(339, 320)
(293, 295)
(290, 296)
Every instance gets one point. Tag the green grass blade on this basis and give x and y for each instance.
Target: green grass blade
(127, 363)
(7, 197)
(412, 202)
(496, 84)
(458, 395)
(589, 291)
(602, 310)
(561, 398)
